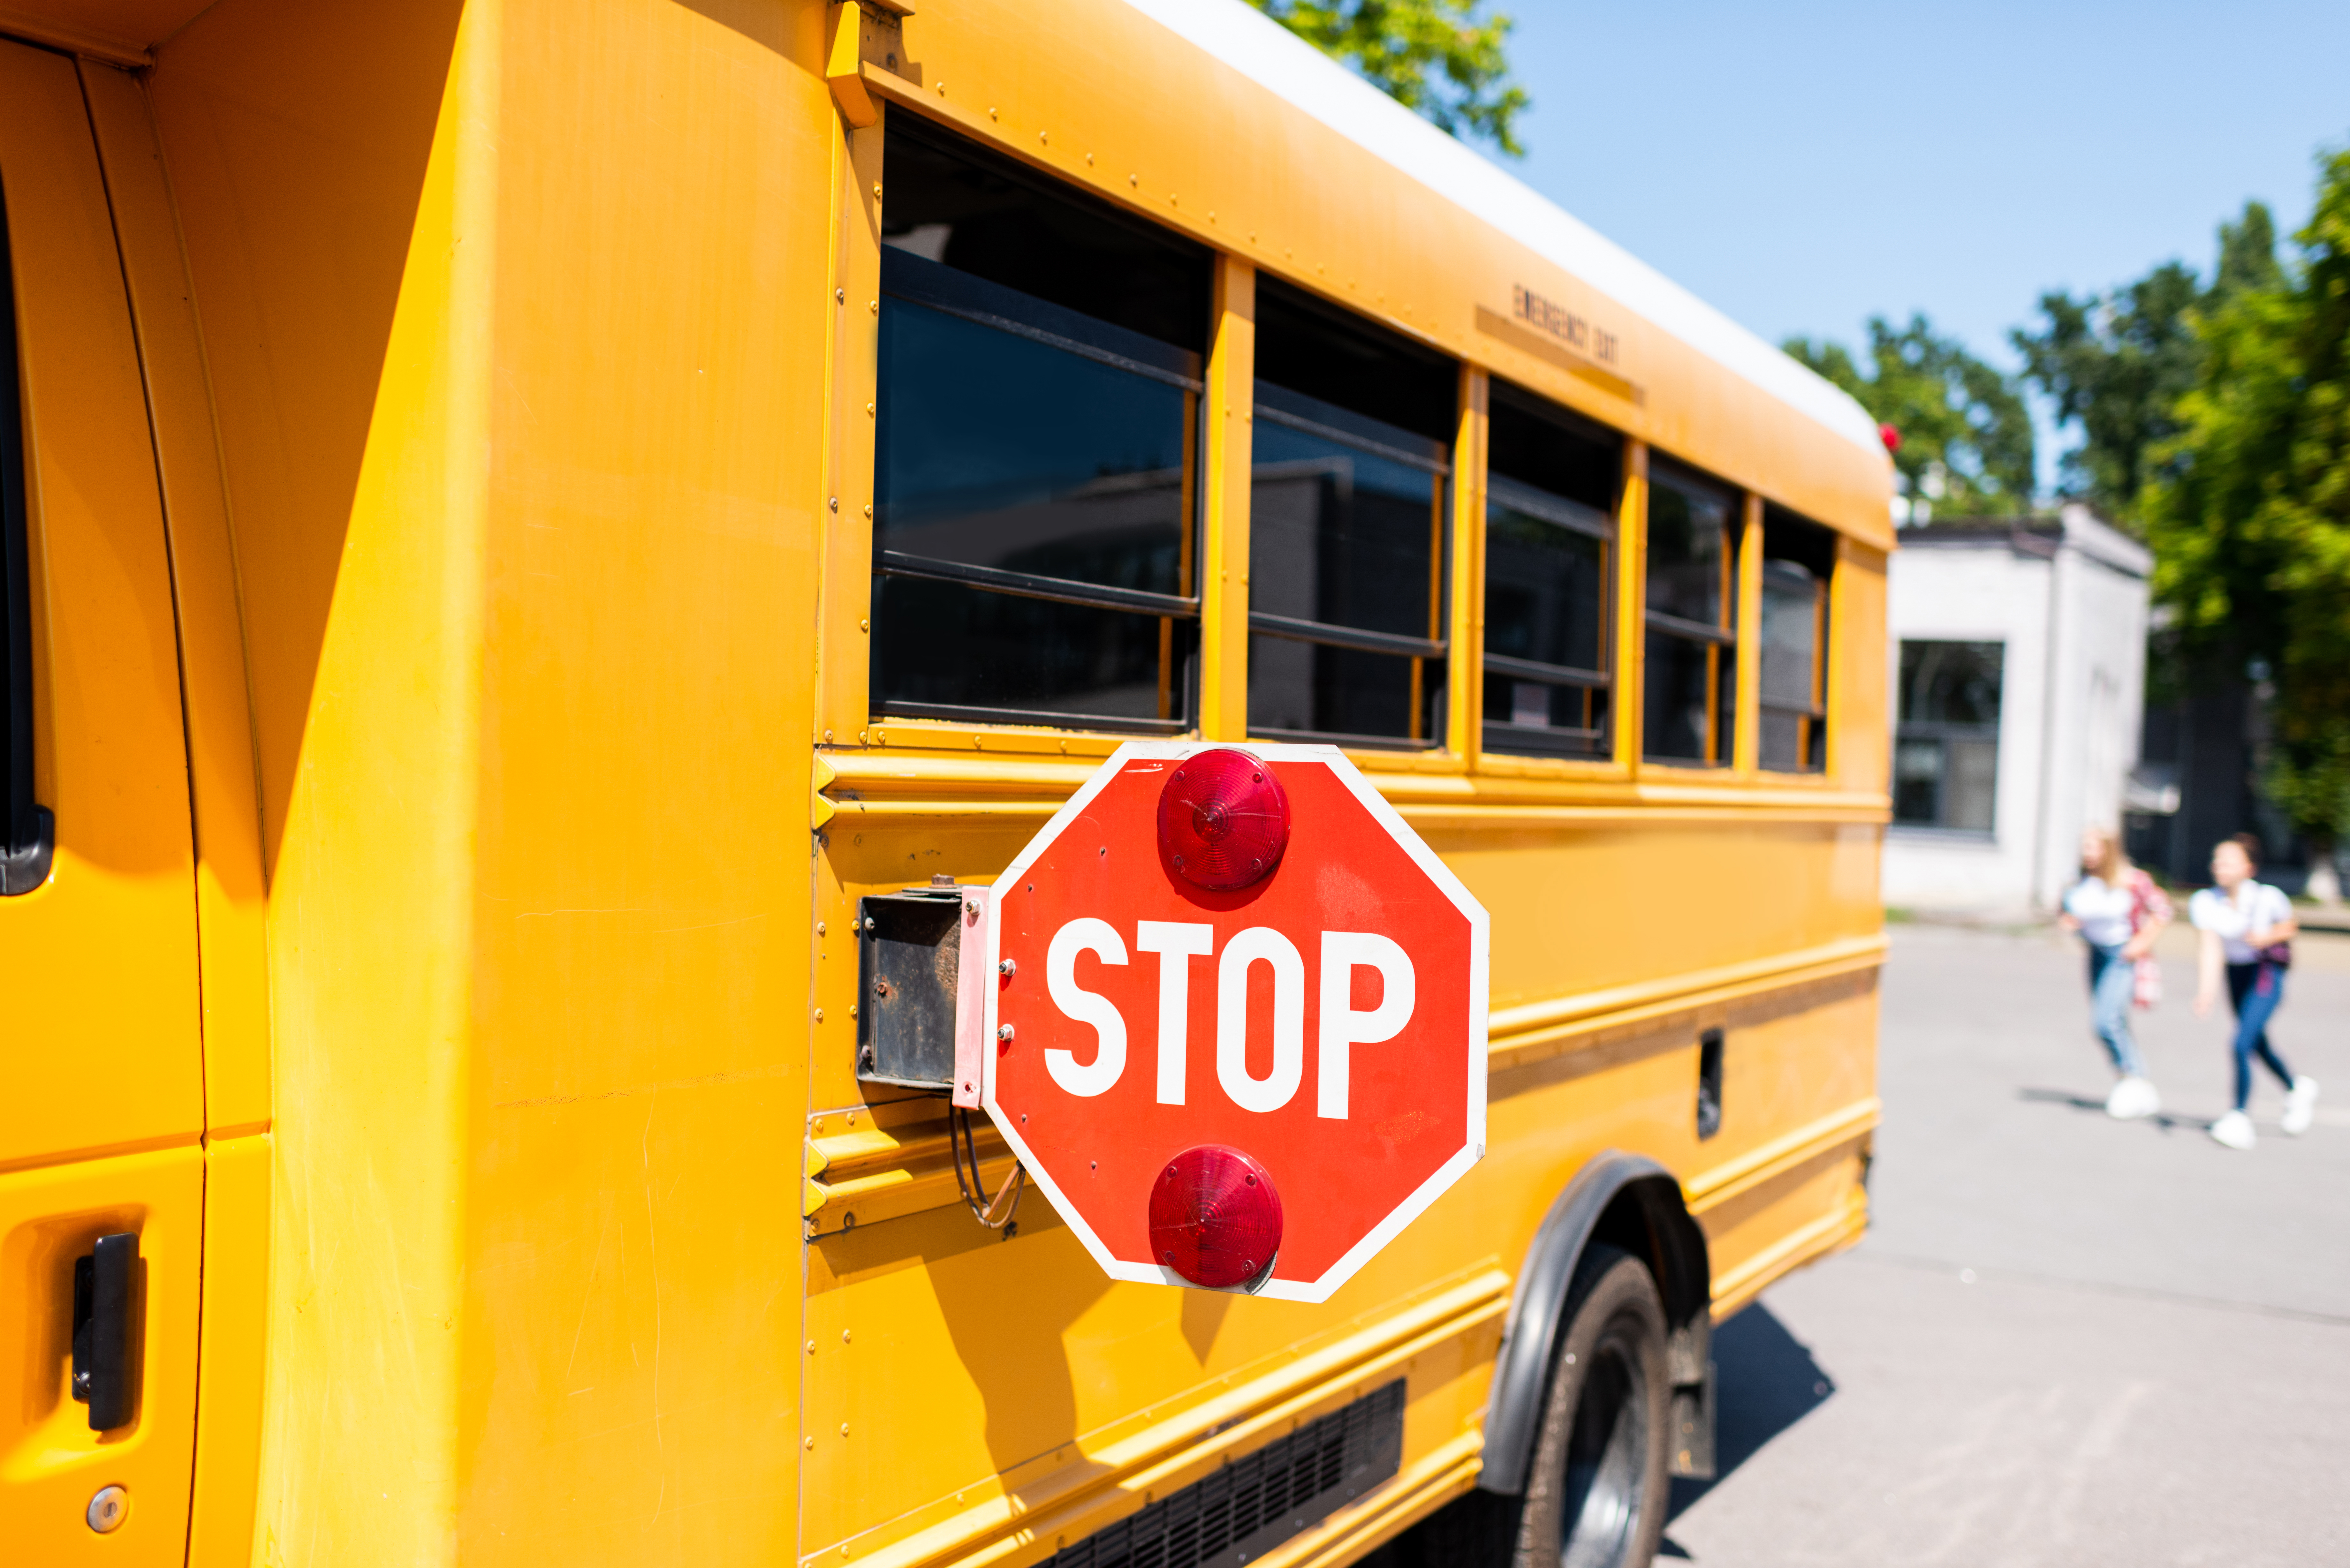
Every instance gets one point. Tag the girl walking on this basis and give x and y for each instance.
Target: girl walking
(2248, 929)
(2118, 911)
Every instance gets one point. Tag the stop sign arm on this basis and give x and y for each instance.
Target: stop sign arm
(1098, 1107)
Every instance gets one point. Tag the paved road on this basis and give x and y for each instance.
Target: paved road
(2066, 1340)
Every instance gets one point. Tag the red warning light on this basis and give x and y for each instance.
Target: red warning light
(1223, 819)
(1890, 437)
(1214, 1217)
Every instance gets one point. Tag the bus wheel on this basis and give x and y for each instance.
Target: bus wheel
(1595, 1493)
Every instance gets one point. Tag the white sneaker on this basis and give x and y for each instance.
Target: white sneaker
(2300, 1106)
(2235, 1130)
(2133, 1097)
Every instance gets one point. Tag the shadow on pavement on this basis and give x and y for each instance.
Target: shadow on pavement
(1766, 1382)
(2163, 1119)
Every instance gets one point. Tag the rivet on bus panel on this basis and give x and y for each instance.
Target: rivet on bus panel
(844, 1336)
(819, 1015)
(877, 191)
(833, 501)
(841, 297)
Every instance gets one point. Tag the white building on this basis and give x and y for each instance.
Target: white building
(2019, 672)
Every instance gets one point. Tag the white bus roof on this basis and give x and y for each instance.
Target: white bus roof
(1270, 55)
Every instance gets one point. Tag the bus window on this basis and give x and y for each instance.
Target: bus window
(1036, 451)
(1691, 678)
(1549, 530)
(1798, 559)
(1346, 527)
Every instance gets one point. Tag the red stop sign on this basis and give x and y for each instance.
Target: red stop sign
(1327, 1020)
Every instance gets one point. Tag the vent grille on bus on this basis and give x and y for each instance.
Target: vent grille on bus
(1255, 1503)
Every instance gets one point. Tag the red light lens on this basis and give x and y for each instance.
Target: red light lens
(1223, 819)
(1214, 1217)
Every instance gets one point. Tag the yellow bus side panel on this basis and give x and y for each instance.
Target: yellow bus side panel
(521, 528)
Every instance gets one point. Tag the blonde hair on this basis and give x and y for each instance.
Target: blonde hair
(2113, 858)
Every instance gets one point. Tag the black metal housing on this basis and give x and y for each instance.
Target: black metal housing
(105, 1300)
(909, 973)
(1254, 1504)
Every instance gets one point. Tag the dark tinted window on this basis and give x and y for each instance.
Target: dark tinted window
(1002, 452)
(1310, 346)
(1950, 682)
(1347, 530)
(1690, 693)
(1798, 560)
(962, 206)
(1550, 528)
(23, 827)
(1946, 739)
(1034, 451)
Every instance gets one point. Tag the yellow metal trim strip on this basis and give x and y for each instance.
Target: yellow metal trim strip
(1828, 1233)
(1780, 1154)
(901, 786)
(1171, 1452)
(1513, 1029)
(874, 1174)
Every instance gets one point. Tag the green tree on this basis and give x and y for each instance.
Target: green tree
(2249, 513)
(2118, 363)
(1435, 57)
(1966, 438)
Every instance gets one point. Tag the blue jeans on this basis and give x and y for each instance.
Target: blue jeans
(2256, 989)
(2113, 986)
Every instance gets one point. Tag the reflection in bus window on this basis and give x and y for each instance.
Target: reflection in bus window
(1550, 499)
(1691, 678)
(1346, 529)
(1798, 560)
(1035, 452)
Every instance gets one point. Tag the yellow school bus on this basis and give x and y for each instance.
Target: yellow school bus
(523, 519)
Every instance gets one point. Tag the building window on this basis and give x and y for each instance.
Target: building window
(1690, 693)
(1347, 528)
(1550, 547)
(1946, 743)
(1798, 561)
(1035, 450)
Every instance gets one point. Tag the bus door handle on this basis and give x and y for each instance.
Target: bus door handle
(105, 1282)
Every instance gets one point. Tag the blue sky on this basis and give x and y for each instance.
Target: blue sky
(1804, 165)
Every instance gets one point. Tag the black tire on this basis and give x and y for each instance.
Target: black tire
(1596, 1490)
(1616, 1328)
